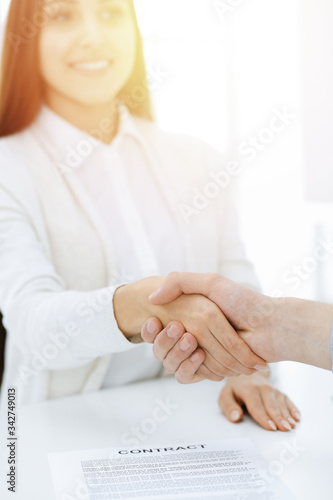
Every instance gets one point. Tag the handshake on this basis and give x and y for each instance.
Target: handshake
(204, 326)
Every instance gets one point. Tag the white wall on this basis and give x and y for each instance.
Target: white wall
(253, 53)
(3, 9)
(317, 42)
(246, 64)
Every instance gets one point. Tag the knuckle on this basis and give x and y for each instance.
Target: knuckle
(204, 315)
(172, 276)
(230, 344)
(237, 347)
(214, 278)
(221, 371)
(169, 369)
(267, 388)
(275, 413)
(271, 409)
(283, 398)
(252, 390)
(207, 310)
(197, 334)
(202, 372)
(157, 353)
(209, 374)
(243, 351)
(230, 364)
(168, 366)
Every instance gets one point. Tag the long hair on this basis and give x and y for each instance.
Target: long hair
(21, 88)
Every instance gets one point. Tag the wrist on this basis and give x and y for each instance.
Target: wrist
(304, 329)
(131, 305)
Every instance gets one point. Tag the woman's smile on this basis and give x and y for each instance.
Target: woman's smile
(92, 67)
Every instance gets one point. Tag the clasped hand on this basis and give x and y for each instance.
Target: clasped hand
(216, 348)
(202, 344)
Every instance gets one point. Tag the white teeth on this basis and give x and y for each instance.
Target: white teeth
(91, 65)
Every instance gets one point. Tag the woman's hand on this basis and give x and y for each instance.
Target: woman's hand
(199, 315)
(180, 355)
(178, 350)
(272, 409)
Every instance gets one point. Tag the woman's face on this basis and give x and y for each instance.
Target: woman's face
(87, 49)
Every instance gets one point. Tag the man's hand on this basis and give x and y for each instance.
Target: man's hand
(179, 351)
(249, 312)
(277, 329)
(227, 355)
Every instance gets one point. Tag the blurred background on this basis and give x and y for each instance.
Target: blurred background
(254, 78)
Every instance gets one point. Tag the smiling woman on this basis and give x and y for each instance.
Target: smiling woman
(49, 56)
(91, 215)
(87, 54)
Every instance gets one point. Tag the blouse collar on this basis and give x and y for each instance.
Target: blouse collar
(66, 141)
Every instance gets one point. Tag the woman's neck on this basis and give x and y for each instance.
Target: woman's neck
(100, 121)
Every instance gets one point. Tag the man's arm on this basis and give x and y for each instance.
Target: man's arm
(276, 329)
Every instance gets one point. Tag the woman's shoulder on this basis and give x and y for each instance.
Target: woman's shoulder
(13, 147)
(15, 177)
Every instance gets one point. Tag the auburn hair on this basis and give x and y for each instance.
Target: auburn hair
(21, 87)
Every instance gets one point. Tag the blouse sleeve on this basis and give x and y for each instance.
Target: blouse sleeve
(37, 309)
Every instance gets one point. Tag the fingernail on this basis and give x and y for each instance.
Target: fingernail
(297, 415)
(173, 332)
(184, 345)
(154, 294)
(272, 425)
(234, 415)
(195, 357)
(286, 425)
(262, 368)
(151, 327)
(292, 421)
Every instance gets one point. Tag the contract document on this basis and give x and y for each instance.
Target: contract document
(230, 470)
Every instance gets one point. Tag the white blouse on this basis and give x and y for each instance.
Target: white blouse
(123, 189)
(78, 218)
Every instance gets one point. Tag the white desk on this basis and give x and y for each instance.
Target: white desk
(101, 419)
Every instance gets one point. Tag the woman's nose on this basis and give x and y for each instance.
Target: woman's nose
(92, 32)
